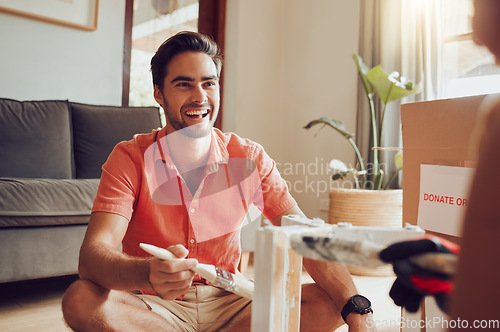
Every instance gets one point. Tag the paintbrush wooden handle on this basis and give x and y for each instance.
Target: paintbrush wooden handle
(216, 276)
(201, 269)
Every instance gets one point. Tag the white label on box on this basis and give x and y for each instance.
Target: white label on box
(443, 199)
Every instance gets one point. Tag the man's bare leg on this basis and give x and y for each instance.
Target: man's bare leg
(241, 325)
(89, 307)
(318, 312)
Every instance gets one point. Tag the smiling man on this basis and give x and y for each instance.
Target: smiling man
(190, 102)
(187, 187)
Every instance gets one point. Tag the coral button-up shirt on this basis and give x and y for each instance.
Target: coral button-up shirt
(141, 183)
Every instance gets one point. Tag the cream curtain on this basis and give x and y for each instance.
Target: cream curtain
(403, 36)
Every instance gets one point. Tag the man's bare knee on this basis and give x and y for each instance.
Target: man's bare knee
(80, 299)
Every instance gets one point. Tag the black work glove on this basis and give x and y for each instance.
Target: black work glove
(413, 283)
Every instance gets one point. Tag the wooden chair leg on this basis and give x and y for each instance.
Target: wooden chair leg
(276, 301)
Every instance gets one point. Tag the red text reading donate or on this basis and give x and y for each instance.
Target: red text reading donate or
(445, 199)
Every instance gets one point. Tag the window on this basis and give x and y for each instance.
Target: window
(468, 69)
(153, 22)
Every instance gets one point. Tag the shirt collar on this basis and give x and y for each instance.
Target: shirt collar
(218, 151)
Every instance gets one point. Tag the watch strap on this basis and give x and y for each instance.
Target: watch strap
(351, 306)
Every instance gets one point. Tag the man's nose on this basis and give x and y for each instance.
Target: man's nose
(199, 95)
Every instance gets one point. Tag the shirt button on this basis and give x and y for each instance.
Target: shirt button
(192, 210)
(192, 241)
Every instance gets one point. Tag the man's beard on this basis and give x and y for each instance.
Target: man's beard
(192, 131)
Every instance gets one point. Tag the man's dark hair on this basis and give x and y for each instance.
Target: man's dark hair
(181, 42)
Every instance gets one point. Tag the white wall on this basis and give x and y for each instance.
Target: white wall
(289, 62)
(41, 60)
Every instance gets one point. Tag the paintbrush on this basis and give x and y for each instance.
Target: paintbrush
(216, 276)
(354, 251)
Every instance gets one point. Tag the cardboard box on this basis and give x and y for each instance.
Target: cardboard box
(437, 133)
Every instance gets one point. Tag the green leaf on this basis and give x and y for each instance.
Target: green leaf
(388, 90)
(337, 125)
(398, 92)
(380, 81)
(362, 70)
(398, 160)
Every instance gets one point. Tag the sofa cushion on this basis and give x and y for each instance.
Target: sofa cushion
(97, 129)
(43, 202)
(35, 139)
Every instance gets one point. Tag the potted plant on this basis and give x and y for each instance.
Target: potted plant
(388, 87)
(367, 205)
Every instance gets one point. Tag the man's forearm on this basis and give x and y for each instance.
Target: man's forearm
(333, 278)
(336, 280)
(112, 269)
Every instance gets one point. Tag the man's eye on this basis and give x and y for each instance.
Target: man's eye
(183, 84)
(210, 83)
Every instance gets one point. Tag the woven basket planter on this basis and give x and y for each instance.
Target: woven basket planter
(375, 208)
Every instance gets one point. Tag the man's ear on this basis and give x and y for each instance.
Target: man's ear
(158, 95)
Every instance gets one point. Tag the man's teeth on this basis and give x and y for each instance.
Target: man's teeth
(197, 112)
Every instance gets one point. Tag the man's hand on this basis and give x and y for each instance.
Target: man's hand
(170, 279)
(413, 282)
(357, 322)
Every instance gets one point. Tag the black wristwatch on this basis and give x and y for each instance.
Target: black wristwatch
(358, 304)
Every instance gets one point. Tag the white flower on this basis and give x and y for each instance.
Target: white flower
(338, 165)
(403, 82)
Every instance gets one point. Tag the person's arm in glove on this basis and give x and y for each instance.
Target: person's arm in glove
(413, 282)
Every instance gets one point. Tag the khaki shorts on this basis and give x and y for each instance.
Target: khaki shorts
(203, 308)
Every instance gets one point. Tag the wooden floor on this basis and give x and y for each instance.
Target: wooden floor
(35, 306)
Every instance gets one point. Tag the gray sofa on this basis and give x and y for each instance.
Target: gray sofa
(51, 153)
